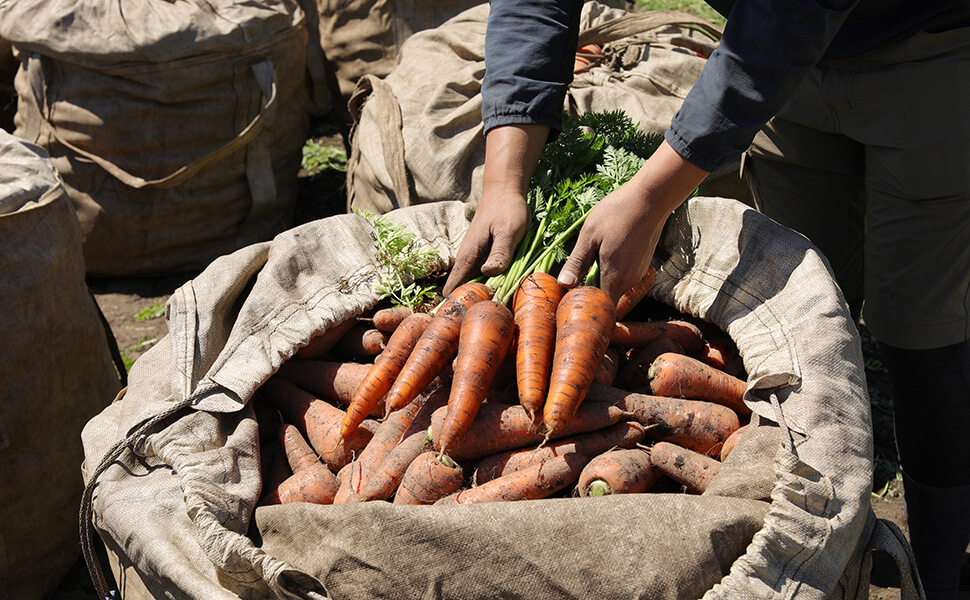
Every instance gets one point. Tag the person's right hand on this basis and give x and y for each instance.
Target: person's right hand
(502, 216)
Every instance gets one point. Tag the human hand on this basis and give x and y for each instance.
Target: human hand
(622, 231)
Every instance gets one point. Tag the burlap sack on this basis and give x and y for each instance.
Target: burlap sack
(173, 466)
(55, 368)
(417, 133)
(176, 126)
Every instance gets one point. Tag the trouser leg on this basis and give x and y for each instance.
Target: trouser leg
(931, 397)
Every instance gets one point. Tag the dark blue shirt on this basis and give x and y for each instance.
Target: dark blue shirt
(766, 49)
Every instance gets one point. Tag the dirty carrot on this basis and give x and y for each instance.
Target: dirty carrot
(317, 420)
(380, 376)
(633, 376)
(534, 305)
(584, 320)
(436, 347)
(315, 483)
(538, 481)
(634, 295)
(298, 452)
(639, 334)
(362, 342)
(694, 424)
(386, 478)
(326, 379)
(486, 334)
(429, 478)
(388, 319)
(732, 441)
(679, 376)
(625, 434)
(322, 342)
(498, 428)
(414, 417)
(621, 471)
(718, 351)
(691, 469)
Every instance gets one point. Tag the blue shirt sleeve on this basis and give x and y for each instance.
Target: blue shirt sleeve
(530, 46)
(767, 48)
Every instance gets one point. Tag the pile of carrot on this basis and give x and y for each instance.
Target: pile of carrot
(562, 393)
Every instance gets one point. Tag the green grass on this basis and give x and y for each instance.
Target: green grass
(319, 156)
(697, 8)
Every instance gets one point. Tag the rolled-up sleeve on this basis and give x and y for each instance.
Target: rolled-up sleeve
(766, 50)
(530, 46)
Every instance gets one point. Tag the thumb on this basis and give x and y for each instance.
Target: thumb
(578, 263)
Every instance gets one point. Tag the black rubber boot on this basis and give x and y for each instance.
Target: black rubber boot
(939, 532)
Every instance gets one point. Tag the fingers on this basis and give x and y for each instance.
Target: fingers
(579, 261)
(471, 253)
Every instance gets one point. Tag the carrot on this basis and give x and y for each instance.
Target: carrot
(429, 478)
(732, 441)
(610, 365)
(436, 347)
(718, 351)
(390, 318)
(386, 478)
(498, 428)
(362, 342)
(622, 471)
(538, 481)
(413, 418)
(625, 434)
(317, 420)
(486, 334)
(298, 452)
(321, 343)
(691, 469)
(534, 305)
(332, 380)
(634, 295)
(634, 373)
(679, 376)
(315, 483)
(735, 367)
(694, 424)
(584, 320)
(380, 376)
(274, 468)
(639, 334)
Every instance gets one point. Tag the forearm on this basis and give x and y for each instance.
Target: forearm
(511, 155)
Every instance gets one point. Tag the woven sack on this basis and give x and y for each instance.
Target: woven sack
(177, 127)
(172, 467)
(55, 368)
(418, 133)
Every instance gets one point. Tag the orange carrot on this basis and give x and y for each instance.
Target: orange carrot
(584, 320)
(498, 428)
(694, 424)
(622, 471)
(326, 379)
(386, 478)
(321, 343)
(538, 481)
(315, 483)
(486, 334)
(436, 347)
(635, 294)
(368, 476)
(298, 452)
(732, 441)
(380, 376)
(634, 373)
(639, 334)
(429, 478)
(718, 351)
(625, 434)
(317, 420)
(679, 376)
(691, 469)
(362, 342)
(274, 468)
(610, 365)
(388, 319)
(534, 305)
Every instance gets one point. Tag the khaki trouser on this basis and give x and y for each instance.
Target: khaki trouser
(870, 159)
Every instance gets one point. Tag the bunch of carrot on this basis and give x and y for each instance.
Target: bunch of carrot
(561, 392)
